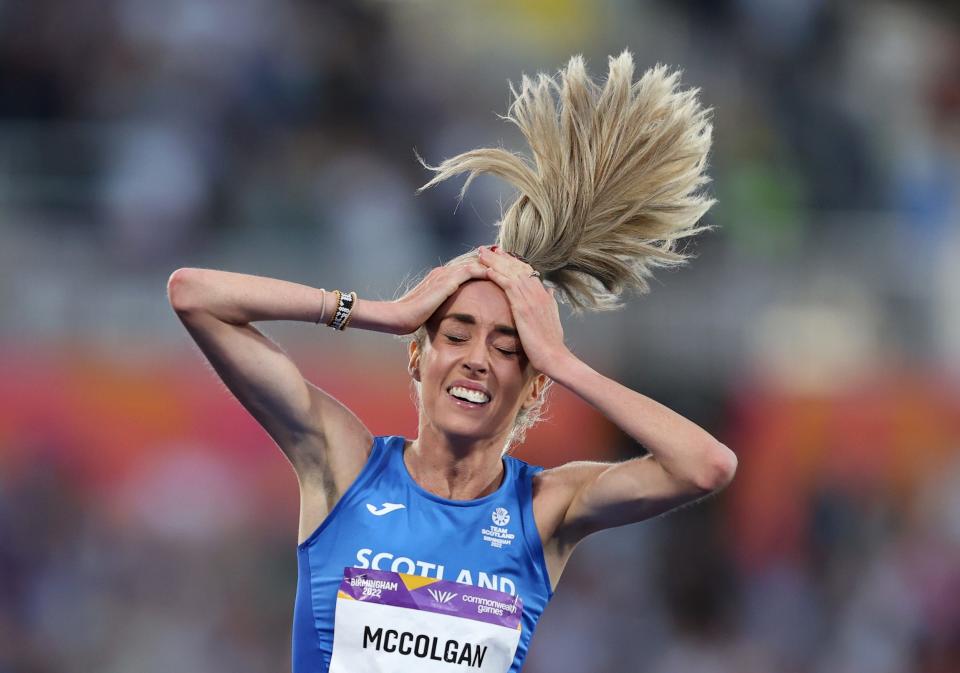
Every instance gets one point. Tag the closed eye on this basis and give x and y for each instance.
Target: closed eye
(459, 339)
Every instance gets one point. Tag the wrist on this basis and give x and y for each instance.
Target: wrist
(564, 367)
(367, 314)
(394, 312)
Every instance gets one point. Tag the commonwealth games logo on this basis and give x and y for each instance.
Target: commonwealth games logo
(501, 517)
(442, 597)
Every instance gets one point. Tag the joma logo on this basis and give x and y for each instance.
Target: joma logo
(442, 596)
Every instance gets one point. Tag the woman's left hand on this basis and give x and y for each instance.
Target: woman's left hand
(535, 311)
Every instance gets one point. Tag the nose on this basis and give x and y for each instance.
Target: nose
(475, 359)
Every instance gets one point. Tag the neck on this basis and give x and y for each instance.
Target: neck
(455, 468)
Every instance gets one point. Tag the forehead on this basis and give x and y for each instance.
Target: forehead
(483, 299)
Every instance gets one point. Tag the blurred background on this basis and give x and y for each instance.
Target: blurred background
(147, 523)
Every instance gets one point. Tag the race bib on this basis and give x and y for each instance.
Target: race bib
(390, 622)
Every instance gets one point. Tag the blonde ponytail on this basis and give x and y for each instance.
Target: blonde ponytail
(612, 184)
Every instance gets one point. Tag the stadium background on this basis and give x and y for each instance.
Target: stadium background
(148, 524)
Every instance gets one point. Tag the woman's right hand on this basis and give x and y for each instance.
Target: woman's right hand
(416, 306)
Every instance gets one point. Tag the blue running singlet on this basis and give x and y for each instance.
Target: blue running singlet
(386, 522)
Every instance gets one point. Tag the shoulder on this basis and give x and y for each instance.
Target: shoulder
(521, 468)
(554, 479)
(386, 450)
(567, 477)
(388, 443)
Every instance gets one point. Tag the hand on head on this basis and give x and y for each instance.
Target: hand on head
(425, 298)
(535, 311)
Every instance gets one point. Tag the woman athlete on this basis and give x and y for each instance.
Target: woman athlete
(439, 553)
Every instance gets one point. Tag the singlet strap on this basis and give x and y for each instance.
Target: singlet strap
(531, 536)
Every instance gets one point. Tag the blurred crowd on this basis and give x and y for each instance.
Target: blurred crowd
(817, 332)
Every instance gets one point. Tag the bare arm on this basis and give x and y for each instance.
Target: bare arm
(690, 455)
(239, 298)
(685, 464)
(324, 441)
(217, 307)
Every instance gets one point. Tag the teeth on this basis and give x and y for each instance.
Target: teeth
(470, 395)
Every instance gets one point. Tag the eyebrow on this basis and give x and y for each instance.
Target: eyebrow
(470, 320)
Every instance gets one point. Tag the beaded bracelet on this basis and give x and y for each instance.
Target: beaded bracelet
(350, 314)
(345, 305)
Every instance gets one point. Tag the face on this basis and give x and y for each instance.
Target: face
(472, 339)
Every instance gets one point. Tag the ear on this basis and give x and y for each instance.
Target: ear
(413, 366)
(539, 383)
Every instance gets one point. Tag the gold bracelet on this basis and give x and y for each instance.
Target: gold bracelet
(334, 316)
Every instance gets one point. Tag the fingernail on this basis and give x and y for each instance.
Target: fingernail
(493, 248)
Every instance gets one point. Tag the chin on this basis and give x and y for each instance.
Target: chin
(465, 430)
(461, 428)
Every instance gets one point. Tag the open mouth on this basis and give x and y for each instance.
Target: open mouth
(468, 398)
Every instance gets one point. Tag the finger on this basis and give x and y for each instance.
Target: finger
(477, 270)
(466, 263)
(520, 275)
(502, 261)
(505, 281)
(516, 262)
(484, 256)
(463, 264)
(516, 288)
(465, 272)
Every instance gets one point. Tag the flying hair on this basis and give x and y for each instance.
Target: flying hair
(613, 183)
(611, 187)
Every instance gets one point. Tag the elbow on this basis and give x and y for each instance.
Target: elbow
(720, 468)
(178, 289)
